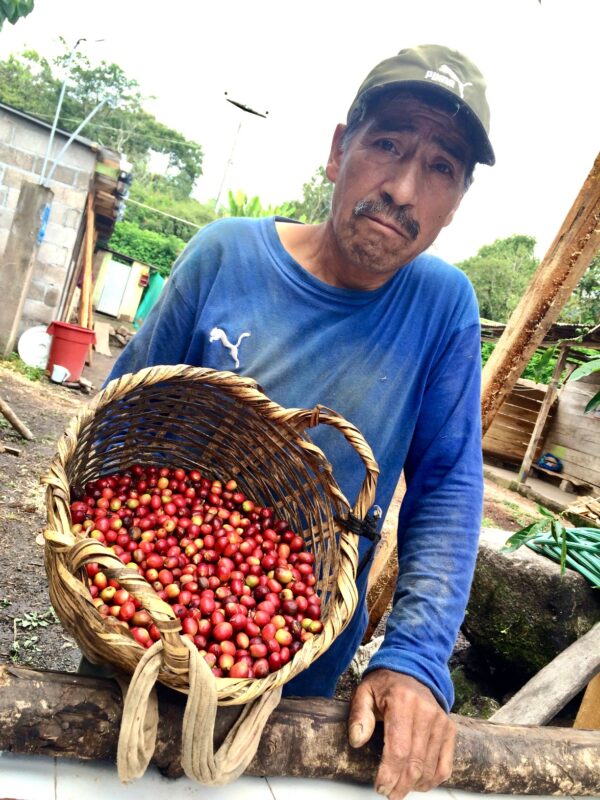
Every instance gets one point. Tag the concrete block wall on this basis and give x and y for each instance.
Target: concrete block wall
(23, 146)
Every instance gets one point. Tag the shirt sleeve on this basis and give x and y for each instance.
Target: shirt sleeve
(439, 522)
(164, 335)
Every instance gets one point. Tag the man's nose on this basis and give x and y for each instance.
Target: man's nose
(402, 184)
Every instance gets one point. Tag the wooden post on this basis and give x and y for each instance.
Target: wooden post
(84, 308)
(551, 392)
(588, 716)
(576, 243)
(384, 569)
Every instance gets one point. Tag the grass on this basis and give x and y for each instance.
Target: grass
(24, 648)
(14, 363)
(486, 522)
(519, 515)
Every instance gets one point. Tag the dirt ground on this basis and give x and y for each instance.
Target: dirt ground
(29, 631)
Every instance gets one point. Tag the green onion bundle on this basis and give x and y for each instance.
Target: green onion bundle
(577, 548)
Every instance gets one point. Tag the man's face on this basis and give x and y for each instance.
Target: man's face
(398, 181)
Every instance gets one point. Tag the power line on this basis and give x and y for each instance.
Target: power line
(164, 213)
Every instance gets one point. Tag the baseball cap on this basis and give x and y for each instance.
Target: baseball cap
(441, 70)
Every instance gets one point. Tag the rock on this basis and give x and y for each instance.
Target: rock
(522, 613)
(363, 655)
(470, 699)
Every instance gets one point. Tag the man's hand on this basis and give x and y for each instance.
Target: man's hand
(419, 736)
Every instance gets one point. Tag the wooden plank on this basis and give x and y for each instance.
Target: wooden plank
(102, 331)
(588, 716)
(554, 685)
(574, 439)
(574, 247)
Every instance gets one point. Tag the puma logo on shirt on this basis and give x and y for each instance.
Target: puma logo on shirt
(219, 335)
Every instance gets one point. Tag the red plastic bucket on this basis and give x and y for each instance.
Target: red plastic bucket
(70, 345)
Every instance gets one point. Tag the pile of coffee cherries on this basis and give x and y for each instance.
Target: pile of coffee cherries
(235, 574)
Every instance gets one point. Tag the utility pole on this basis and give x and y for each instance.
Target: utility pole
(229, 162)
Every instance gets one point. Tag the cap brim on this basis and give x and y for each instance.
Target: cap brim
(484, 153)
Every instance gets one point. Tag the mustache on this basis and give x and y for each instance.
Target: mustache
(397, 213)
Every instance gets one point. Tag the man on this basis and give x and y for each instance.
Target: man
(354, 315)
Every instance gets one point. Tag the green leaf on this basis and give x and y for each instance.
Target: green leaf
(585, 369)
(524, 535)
(593, 404)
(560, 534)
(545, 512)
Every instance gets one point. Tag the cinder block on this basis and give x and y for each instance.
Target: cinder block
(53, 254)
(7, 127)
(74, 198)
(16, 157)
(37, 313)
(37, 290)
(13, 178)
(27, 136)
(71, 218)
(61, 174)
(49, 274)
(57, 234)
(4, 196)
(6, 218)
(13, 198)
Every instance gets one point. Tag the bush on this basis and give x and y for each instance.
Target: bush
(148, 247)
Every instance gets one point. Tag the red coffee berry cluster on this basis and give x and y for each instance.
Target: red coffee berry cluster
(241, 582)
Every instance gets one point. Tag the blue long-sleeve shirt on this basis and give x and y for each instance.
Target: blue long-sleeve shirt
(401, 362)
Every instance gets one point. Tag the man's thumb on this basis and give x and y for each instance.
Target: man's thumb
(361, 720)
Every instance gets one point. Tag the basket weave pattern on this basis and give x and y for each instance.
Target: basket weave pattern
(225, 427)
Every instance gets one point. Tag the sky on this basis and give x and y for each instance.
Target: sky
(303, 63)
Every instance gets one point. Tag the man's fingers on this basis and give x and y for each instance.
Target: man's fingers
(405, 751)
(446, 759)
(440, 752)
(361, 719)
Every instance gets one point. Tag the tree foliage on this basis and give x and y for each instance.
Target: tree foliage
(500, 273)
(12, 10)
(32, 84)
(583, 307)
(316, 198)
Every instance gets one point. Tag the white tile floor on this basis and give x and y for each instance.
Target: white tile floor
(44, 778)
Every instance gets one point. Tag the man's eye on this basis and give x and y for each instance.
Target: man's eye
(443, 168)
(386, 144)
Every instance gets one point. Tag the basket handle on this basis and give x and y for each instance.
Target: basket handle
(302, 418)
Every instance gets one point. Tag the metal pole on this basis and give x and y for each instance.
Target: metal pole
(72, 136)
(58, 107)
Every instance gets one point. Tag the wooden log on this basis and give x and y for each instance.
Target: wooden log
(567, 259)
(558, 682)
(61, 714)
(19, 426)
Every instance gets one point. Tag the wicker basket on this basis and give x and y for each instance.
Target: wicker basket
(225, 427)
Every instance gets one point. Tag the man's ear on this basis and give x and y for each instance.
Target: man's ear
(451, 214)
(335, 154)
